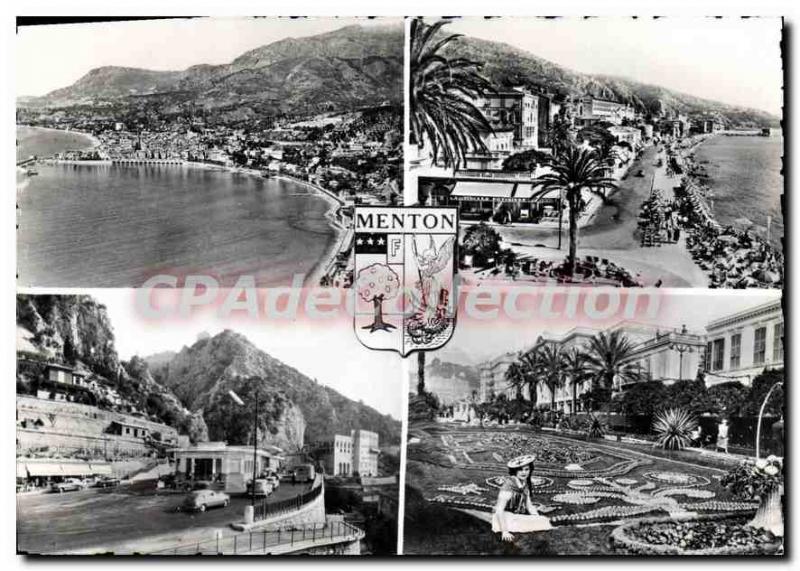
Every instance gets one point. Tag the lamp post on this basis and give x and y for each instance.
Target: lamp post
(560, 214)
(240, 402)
(760, 414)
(681, 348)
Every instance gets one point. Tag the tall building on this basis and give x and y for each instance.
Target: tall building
(348, 455)
(493, 377)
(591, 110)
(740, 346)
(517, 110)
(365, 452)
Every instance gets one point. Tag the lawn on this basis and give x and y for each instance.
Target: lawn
(586, 488)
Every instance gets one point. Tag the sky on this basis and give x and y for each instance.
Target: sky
(55, 56)
(328, 352)
(735, 61)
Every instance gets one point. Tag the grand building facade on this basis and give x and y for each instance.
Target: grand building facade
(740, 346)
(736, 347)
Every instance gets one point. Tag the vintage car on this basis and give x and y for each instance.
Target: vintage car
(263, 487)
(201, 500)
(107, 482)
(68, 485)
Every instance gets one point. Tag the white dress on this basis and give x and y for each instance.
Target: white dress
(516, 516)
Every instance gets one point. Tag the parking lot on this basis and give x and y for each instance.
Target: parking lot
(73, 521)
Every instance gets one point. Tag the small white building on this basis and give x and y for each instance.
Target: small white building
(230, 465)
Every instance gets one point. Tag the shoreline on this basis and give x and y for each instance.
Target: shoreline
(697, 193)
(321, 268)
(92, 139)
(318, 269)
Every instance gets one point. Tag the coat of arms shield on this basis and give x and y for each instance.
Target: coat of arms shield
(403, 278)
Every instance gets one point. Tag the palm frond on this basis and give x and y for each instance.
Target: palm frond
(674, 427)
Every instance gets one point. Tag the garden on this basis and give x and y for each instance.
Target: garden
(601, 497)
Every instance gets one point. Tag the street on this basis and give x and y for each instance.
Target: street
(611, 234)
(95, 518)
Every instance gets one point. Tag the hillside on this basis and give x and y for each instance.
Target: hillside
(75, 330)
(507, 66)
(296, 408)
(345, 69)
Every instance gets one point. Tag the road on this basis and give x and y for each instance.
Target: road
(611, 234)
(88, 519)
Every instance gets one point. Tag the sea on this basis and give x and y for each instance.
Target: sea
(103, 225)
(745, 178)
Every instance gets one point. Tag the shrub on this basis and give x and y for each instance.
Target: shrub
(595, 427)
(673, 428)
(754, 480)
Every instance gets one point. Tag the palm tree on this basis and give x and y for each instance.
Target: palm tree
(573, 171)
(609, 358)
(529, 363)
(441, 97)
(515, 375)
(576, 370)
(551, 369)
(560, 134)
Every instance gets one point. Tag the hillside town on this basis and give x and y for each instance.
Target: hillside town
(351, 158)
(640, 187)
(356, 155)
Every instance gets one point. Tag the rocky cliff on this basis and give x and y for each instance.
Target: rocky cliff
(294, 407)
(76, 330)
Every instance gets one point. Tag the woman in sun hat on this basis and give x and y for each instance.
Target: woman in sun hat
(514, 510)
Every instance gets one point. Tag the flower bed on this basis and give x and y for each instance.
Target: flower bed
(677, 479)
(711, 534)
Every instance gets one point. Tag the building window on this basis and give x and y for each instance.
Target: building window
(736, 350)
(718, 356)
(760, 346)
(777, 343)
(708, 357)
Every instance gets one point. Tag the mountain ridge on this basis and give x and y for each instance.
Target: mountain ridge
(343, 69)
(507, 66)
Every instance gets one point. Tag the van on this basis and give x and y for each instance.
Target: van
(303, 473)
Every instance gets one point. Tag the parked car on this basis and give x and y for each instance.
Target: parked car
(68, 485)
(201, 500)
(263, 487)
(274, 480)
(107, 482)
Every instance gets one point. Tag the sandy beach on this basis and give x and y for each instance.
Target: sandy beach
(321, 267)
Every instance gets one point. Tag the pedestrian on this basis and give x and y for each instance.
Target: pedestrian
(658, 283)
(514, 510)
(777, 437)
(722, 435)
(697, 436)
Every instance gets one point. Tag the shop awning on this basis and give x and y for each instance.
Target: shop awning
(475, 190)
(82, 469)
(101, 469)
(44, 469)
(22, 471)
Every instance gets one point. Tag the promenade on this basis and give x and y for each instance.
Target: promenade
(612, 236)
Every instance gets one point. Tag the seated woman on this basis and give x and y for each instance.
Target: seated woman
(514, 511)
